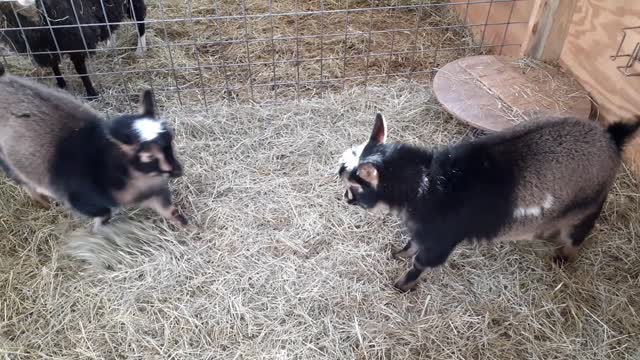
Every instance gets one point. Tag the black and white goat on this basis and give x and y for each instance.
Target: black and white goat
(58, 148)
(542, 179)
(41, 28)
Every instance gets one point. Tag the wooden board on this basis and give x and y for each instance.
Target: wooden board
(548, 28)
(498, 13)
(495, 92)
(592, 38)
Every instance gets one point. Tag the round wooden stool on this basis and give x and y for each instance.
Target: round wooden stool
(496, 92)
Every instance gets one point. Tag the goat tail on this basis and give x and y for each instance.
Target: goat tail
(621, 132)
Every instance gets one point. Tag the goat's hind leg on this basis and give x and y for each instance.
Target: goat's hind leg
(570, 238)
(41, 199)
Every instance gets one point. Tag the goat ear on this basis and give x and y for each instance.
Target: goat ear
(379, 133)
(147, 104)
(368, 173)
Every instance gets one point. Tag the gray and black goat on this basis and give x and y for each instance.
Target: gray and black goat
(545, 179)
(58, 148)
(45, 29)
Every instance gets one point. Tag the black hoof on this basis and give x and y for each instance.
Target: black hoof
(403, 288)
(179, 219)
(92, 94)
(182, 220)
(561, 260)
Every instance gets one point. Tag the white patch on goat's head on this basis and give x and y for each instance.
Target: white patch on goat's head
(351, 157)
(148, 129)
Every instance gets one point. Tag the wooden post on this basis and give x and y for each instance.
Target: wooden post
(548, 28)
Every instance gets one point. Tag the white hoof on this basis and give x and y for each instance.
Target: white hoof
(142, 45)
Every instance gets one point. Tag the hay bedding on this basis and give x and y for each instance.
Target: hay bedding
(278, 266)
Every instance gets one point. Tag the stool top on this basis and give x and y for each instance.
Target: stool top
(496, 92)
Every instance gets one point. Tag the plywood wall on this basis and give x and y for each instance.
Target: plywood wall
(593, 37)
(515, 12)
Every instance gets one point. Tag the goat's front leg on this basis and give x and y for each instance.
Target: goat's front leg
(100, 221)
(79, 62)
(55, 66)
(409, 250)
(39, 198)
(429, 256)
(161, 204)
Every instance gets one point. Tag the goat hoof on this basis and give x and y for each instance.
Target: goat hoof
(92, 94)
(179, 219)
(182, 220)
(561, 260)
(403, 287)
(43, 204)
(399, 254)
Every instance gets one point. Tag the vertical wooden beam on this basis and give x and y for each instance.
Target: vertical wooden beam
(548, 28)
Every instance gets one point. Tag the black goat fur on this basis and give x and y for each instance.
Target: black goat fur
(45, 34)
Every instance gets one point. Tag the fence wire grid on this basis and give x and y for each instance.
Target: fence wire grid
(267, 51)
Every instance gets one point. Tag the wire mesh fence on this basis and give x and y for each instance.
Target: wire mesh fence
(198, 51)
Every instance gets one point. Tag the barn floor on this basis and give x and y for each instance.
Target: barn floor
(276, 265)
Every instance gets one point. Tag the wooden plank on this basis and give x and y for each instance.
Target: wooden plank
(496, 15)
(495, 92)
(548, 29)
(594, 36)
